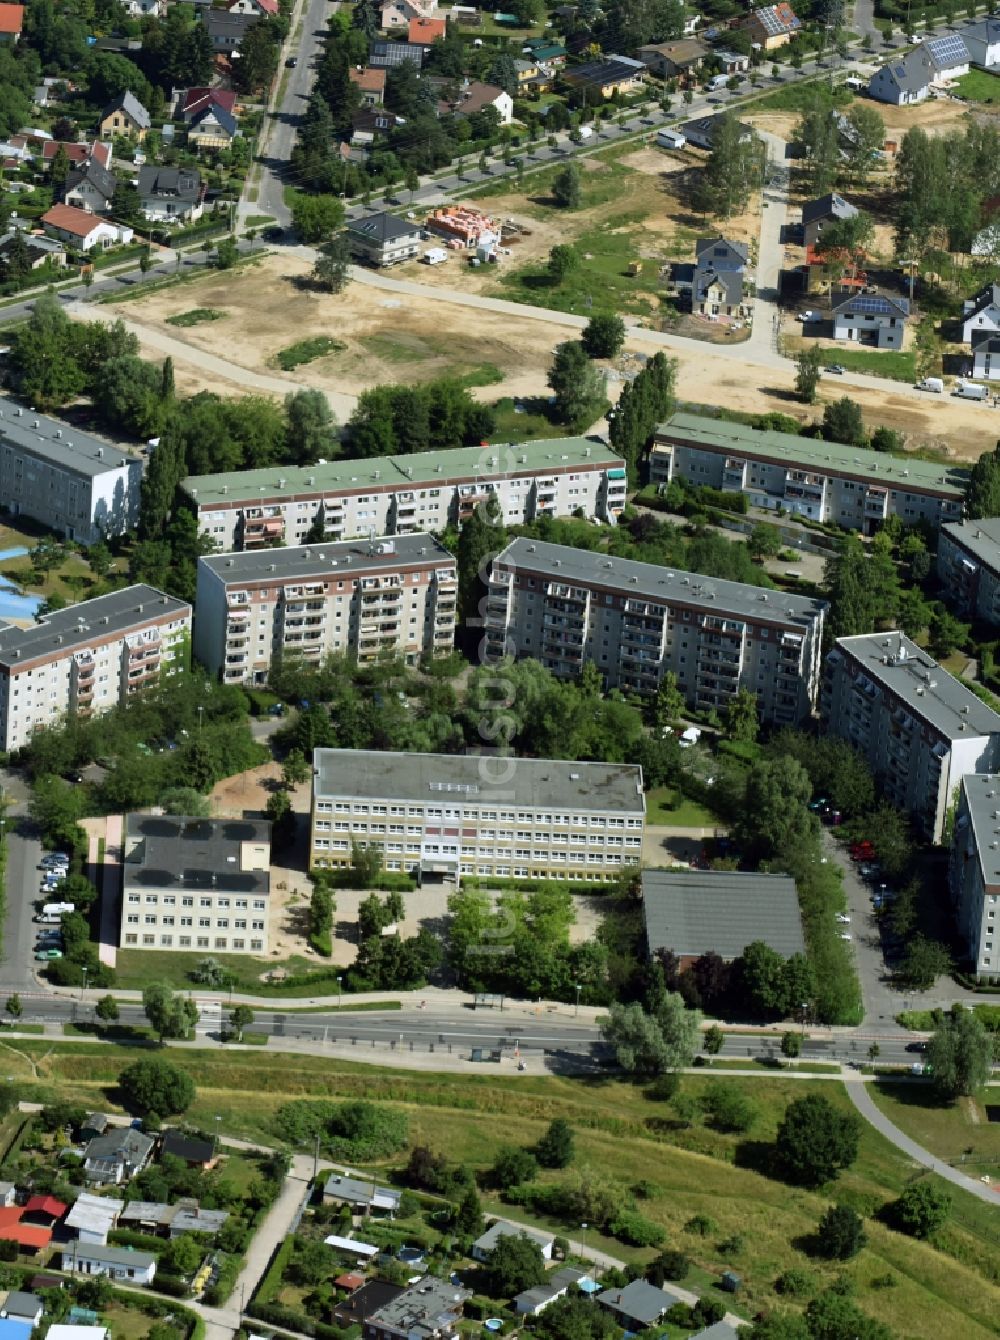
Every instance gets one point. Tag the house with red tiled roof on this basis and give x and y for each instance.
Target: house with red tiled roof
(11, 22)
(29, 1237)
(80, 229)
(771, 26)
(425, 31)
(45, 1210)
(371, 83)
(261, 9)
(78, 153)
(191, 102)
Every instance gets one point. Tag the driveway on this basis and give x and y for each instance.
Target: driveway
(766, 317)
(23, 855)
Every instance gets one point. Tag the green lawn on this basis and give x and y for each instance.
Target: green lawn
(979, 86)
(667, 806)
(950, 1130)
(306, 351)
(514, 427)
(137, 967)
(892, 363)
(194, 316)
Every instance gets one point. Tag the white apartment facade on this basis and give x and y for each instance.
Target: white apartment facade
(636, 621)
(974, 872)
(195, 884)
(444, 816)
(920, 729)
(367, 599)
(69, 480)
(86, 659)
(817, 480)
(400, 495)
(968, 566)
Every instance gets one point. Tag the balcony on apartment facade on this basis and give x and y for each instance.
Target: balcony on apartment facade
(261, 524)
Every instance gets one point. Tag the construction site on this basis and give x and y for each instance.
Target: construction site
(464, 228)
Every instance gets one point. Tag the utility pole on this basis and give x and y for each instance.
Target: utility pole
(316, 1158)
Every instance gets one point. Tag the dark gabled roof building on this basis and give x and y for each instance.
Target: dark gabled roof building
(383, 239)
(190, 1149)
(695, 912)
(701, 132)
(816, 214)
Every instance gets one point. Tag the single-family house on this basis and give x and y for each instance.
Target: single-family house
(383, 239)
(144, 9)
(949, 56)
(877, 319)
(701, 132)
(398, 13)
(721, 1330)
(911, 77)
(226, 30)
(365, 1300)
(30, 1238)
(8, 1194)
(370, 123)
(986, 359)
(360, 1195)
(90, 187)
(428, 1310)
(93, 1217)
(44, 1210)
(771, 26)
(370, 83)
(84, 231)
(170, 194)
(549, 54)
(38, 249)
(482, 1248)
(981, 315)
(425, 32)
(532, 1301)
(189, 103)
(982, 39)
(117, 1156)
(95, 1124)
(391, 54)
(259, 9)
(22, 1306)
(473, 96)
(674, 60)
(613, 74)
(11, 23)
(124, 115)
(194, 1150)
(78, 154)
(733, 62)
(718, 285)
(116, 1263)
(638, 1305)
(816, 214)
(212, 129)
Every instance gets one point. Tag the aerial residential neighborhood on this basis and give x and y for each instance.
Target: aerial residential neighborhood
(499, 670)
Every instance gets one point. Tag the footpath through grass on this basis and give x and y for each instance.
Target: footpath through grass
(962, 1133)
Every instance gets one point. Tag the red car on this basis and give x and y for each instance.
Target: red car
(862, 851)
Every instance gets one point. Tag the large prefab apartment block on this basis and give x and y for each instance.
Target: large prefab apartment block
(442, 816)
(366, 599)
(968, 566)
(823, 481)
(636, 621)
(88, 658)
(195, 884)
(919, 729)
(399, 495)
(974, 872)
(70, 481)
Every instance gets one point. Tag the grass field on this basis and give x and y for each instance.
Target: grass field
(512, 426)
(979, 86)
(895, 364)
(668, 806)
(195, 316)
(137, 967)
(953, 1131)
(306, 351)
(945, 1289)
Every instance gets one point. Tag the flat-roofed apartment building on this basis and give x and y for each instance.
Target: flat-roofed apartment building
(442, 816)
(195, 884)
(398, 495)
(366, 598)
(825, 481)
(920, 729)
(968, 566)
(974, 871)
(88, 658)
(69, 480)
(635, 621)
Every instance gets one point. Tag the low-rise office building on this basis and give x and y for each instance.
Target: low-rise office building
(824, 481)
(635, 621)
(974, 871)
(363, 598)
(399, 495)
(694, 912)
(196, 884)
(919, 729)
(968, 566)
(88, 658)
(441, 816)
(68, 480)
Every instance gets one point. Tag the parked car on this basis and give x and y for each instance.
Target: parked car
(53, 860)
(837, 368)
(843, 919)
(807, 316)
(47, 955)
(916, 1046)
(861, 851)
(845, 935)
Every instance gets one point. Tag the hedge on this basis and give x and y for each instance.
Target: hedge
(271, 1283)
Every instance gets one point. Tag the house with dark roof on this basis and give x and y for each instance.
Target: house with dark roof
(771, 26)
(718, 285)
(474, 95)
(695, 912)
(910, 77)
(117, 1263)
(981, 315)
(124, 115)
(95, 1124)
(39, 250)
(532, 1301)
(226, 30)
(673, 60)
(638, 1305)
(816, 214)
(371, 1297)
(193, 1150)
(212, 129)
(170, 194)
(90, 187)
(986, 359)
(983, 41)
(606, 77)
(189, 103)
(430, 1309)
(117, 1157)
(701, 132)
(383, 239)
(390, 54)
(22, 1306)
(875, 319)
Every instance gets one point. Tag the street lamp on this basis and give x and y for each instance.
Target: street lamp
(805, 1010)
(201, 712)
(340, 991)
(84, 987)
(576, 988)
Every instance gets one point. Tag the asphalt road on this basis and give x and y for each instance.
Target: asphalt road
(23, 878)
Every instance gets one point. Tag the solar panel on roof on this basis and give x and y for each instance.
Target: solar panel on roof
(871, 305)
(948, 50)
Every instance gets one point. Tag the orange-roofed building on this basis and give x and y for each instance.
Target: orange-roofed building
(11, 21)
(425, 32)
(371, 82)
(28, 1237)
(834, 265)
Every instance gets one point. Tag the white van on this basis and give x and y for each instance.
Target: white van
(934, 384)
(970, 391)
(53, 911)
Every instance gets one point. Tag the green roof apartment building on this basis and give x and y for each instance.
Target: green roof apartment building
(442, 816)
(636, 621)
(88, 658)
(363, 598)
(399, 495)
(919, 728)
(822, 481)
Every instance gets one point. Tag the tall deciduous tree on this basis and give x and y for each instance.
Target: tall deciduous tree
(649, 1044)
(733, 170)
(170, 1015)
(982, 496)
(577, 384)
(960, 1054)
(816, 1140)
